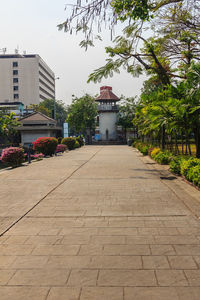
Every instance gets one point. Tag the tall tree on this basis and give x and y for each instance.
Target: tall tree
(82, 114)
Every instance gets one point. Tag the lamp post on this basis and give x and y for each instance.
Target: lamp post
(55, 99)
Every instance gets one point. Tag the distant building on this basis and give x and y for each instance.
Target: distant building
(25, 78)
(108, 112)
(15, 107)
(37, 125)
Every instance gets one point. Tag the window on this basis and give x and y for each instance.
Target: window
(15, 80)
(15, 88)
(15, 72)
(16, 96)
(15, 64)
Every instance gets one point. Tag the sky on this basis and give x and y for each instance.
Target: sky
(31, 26)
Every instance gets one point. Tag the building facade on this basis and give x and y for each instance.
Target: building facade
(26, 79)
(107, 115)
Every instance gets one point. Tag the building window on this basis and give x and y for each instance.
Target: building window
(15, 80)
(15, 64)
(15, 72)
(15, 88)
(16, 96)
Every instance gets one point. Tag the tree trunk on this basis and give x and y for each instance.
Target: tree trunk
(163, 138)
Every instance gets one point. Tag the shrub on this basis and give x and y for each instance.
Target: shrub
(69, 142)
(154, 152)
(76, 145)
(175, 164)
(193, 175)
(61, 148)
(144, 149)
(59, 140)
(45, 145)
(80, 140)
(187, 164)
(12, 156)
(38, 156)
(163, 158)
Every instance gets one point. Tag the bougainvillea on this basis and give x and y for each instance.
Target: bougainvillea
(12, 156)
(45, 145)
(61, 148)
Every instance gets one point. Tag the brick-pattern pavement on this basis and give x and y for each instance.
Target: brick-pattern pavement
(113, 230)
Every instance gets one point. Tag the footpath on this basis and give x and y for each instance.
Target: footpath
(98, 223)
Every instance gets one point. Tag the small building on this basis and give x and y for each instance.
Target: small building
(107, 115)
(37, 125)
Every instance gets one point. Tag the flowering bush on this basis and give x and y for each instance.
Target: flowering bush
(45, 145)
(69, 142)
(80, 140)
(61, 148)
(13, 156)
(154, 152)
(76, 145)
(38, 156)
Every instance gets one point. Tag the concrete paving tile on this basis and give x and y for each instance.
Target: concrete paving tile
(171, 278)
(77, 239)
(126, 278)
(16, 239)
(162, 250)
(106, 239)
(176, 239)
(63, 293)
(6, 261)
(150, 293)
(102, 293)
(117, 231)
(187, 249)
(29, 262)
(15, 249)
(40, 277)
(188, 293)
(126, 250)
(116, 262)
(43, 240)
(83, 278)
(5, 276)
(23, 293)
(155, 262)
(63, 262)
(91, 250)
(182, 262)
(193, 277)
(141, 240)
(56, 250)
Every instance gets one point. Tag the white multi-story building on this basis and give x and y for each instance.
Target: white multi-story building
(25, 78)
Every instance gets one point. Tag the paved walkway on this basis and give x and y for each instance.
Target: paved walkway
(98, 223)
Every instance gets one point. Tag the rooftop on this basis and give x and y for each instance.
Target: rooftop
(106, 94)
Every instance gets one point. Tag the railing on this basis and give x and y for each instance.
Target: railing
(106, 107)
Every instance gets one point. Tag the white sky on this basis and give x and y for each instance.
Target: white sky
(31, 25)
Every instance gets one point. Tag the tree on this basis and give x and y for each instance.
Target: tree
(8, 125)
(126, 113)
(81, 114)
(47, 107)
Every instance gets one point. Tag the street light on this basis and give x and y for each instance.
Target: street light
(55, 99)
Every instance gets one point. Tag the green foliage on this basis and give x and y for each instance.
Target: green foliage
(134, 9)
(69, 142)
(175, 164)
(187, 164)
(45, 145)
(76, 145)
(80, 140)
(154, 152)
(81, 114)
(8, 125)
(193, 175)
(163, 158)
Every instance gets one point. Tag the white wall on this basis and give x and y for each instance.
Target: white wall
(107, 121)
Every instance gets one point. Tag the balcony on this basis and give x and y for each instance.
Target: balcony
(108, 107)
